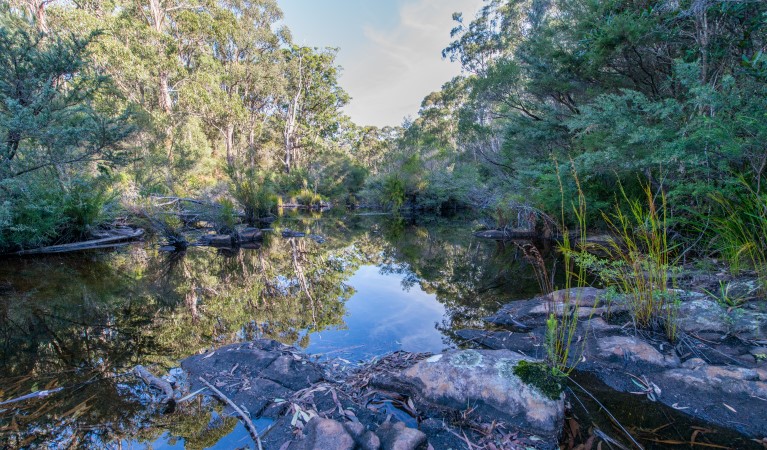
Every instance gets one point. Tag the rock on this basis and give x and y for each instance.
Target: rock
(524, 315)
(527, 343)
(620, 351)
(733, 397)
(366, 440)
(288, 233)
(250, 235)
(292, 373)
(324, 434)
(748, 325)
(218, 240)
(743, 290)
(582, 296)
(706, 318)
(268, 369)
(399, 437)
(485, 380)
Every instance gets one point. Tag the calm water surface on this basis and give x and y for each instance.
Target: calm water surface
(373, 285)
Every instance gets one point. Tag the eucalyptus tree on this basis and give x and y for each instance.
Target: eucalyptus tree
(309, 109)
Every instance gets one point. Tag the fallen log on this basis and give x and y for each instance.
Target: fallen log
(156, 382)
(118, 237)
(500, 235)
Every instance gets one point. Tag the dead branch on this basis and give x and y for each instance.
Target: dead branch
(240, 412)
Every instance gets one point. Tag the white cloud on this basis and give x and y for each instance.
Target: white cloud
(400, 65)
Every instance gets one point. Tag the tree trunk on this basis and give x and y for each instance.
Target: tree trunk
(37, 9)
(164, 92)
(291, 120)
(229, 140)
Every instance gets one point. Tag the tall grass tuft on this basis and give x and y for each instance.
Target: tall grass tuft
(740, 232)
(639, 266)
(253, 191)
(563, 310)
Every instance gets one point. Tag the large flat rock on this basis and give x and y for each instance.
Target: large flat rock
(482, 380)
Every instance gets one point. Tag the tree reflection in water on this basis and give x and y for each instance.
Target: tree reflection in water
(82, 322)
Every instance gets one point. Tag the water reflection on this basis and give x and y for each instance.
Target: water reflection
(81, 322)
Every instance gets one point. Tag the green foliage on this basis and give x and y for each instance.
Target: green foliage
(393, 191)
(226, 217)
(47, 113)
(305, 197)
(40, 212)
(739, 233)
(60, 142)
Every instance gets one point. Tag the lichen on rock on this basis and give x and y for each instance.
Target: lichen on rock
(467, 359)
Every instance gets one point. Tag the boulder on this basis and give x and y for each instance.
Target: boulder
(524, 315)
(365, 439)
(324, 434)
(484, 380)
(396, 436)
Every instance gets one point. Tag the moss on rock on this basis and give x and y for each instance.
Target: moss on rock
(539, 375)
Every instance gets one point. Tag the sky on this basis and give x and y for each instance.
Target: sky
(390, 50)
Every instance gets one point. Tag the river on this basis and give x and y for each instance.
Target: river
(356, 287)
(371, 285)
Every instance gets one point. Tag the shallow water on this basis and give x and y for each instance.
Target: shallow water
(375, 284)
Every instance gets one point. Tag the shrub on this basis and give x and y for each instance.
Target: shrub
(254, 192)
(306, 197)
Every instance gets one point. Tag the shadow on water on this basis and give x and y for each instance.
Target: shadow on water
(372, 285)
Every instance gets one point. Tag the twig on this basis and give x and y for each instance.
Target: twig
(238, 410)
(353, 347)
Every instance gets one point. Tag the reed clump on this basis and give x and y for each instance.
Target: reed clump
(638, 260)
(740, 231)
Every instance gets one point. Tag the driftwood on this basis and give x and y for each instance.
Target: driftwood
(507, 233)
(33, 395)
(157, 383)
(117, 239)
(248, 423)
